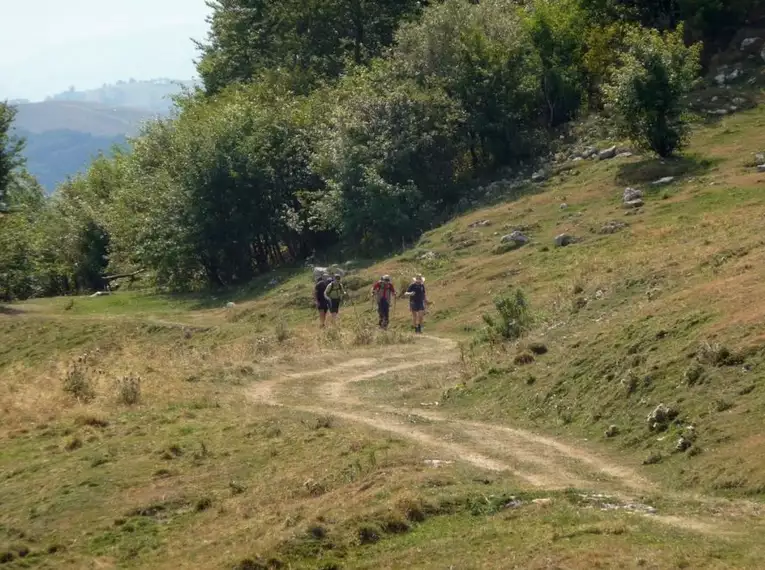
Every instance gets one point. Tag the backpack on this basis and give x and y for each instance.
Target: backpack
(382, 290)
(321, 286)
(334, 290)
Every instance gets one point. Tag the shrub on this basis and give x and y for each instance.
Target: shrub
(77, 383)
(513, 318)
(129, 390)
(647, 91)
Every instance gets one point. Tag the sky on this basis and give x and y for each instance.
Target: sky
(46, 46)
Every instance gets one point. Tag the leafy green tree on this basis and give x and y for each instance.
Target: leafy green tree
(647, 91)
(480, 55)
(309, 38)
(213, 196)
(391, 156)
(10, 151)
(558, 30)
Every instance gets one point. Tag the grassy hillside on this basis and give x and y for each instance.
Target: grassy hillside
(259, 442)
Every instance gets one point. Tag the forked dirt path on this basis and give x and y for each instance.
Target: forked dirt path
(540, 461)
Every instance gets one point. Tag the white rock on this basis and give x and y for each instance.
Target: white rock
(663, 181)
(607, 153)
(761, 168)
(749, 42)
(632, 204)
(631, 194)
(230, 305)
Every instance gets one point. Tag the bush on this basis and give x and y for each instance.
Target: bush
(513, 318)
(129, 390)
(77, 383)
(647, 92)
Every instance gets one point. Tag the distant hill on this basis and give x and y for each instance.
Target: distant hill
(153, 95)
(67, 130)
(86, 117)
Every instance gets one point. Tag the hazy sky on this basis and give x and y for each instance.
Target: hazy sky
(48, 45)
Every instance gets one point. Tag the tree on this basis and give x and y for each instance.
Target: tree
(391, 155)
(311, 39)
(647, 92)
(11, 148)
(558, 30)
(480, 55)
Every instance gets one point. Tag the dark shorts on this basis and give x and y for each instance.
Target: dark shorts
(322, 306)
(417, 306)
(334, 306)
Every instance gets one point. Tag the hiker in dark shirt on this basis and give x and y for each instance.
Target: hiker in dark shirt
(418, 302)
(322, 304)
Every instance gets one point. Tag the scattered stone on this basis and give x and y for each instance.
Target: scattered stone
(660, 417)
(538, 176)
(715, 99)
(429, 256)
(653, 459)
(563, 206)
(480, 224)
(739, 100)
(612, 431)
(588, 152)
(634, 204)
(749, 42)
(663, 181)
(599, 294)
(515, 238)
(543, 501)
(563, 240)
(100, 294)
(437, 462)
(683, 444)
(760, 158)
(607, 153)
(612, 227)
(577, 159)
(230, 305)
(625, 154)
(733, 108)
(717, 112)
(761, 168)
(513, 503)
(631, 194)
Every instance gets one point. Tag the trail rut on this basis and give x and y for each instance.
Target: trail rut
(539, 461)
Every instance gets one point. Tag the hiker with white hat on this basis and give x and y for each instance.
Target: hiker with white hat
(418, 301)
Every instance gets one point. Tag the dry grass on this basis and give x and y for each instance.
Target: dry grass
(191, 475)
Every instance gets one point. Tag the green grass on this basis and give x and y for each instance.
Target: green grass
(196, 475)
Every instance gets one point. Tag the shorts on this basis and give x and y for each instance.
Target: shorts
(416, 306)
(334, 306)
(322, 306)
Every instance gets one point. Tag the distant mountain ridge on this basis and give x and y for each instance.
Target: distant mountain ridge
(66, 131)
(153, 95)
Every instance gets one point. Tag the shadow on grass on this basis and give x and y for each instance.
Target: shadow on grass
(650, 170)
(262, 285)
(10, 311)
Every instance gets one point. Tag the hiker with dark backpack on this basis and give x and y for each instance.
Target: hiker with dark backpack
(321, 301)
(384, 293)
(418, 301)
(334, 294)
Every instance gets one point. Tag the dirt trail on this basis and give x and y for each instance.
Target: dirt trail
(540, 461)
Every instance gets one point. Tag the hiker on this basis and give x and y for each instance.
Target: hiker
(321, 301)
(418, 301)
(383, 293)
(334, 294)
